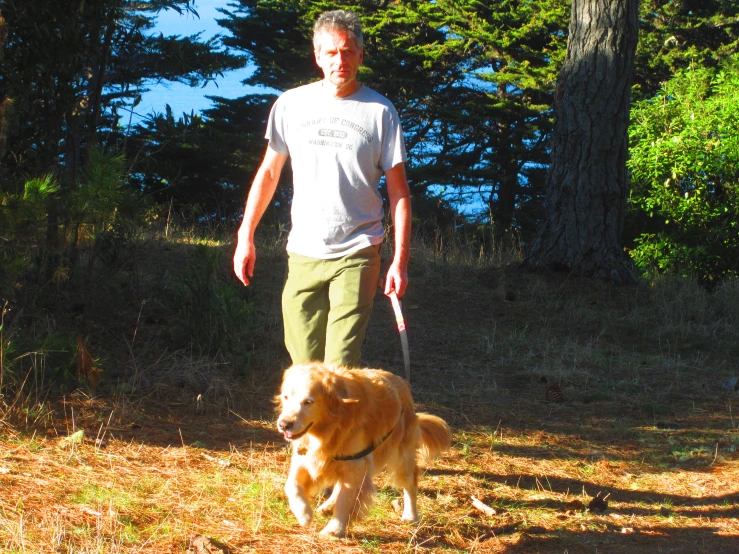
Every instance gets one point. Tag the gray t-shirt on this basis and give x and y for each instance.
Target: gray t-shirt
(339, 149)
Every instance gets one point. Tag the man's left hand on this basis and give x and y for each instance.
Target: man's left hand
(397, 280)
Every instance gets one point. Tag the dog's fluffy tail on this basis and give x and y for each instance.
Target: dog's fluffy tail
(435, 436)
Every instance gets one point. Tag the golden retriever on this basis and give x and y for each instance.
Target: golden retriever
(346, 426)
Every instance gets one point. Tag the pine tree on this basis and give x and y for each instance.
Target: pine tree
(199, 164)
(675, 34)
(68, 68)
(472, 84)
(512, 52)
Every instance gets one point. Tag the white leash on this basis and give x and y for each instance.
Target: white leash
(400, 322)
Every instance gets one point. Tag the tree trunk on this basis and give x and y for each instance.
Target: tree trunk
(587, 181)
(97, 81)
(507, 186)
(4, 109)
(508, 163)
(4, 100)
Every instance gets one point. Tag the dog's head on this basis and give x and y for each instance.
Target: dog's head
(311, 396)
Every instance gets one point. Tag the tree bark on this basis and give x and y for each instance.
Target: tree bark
(508, 176)
(587, 182)
(4, 109)
(97, 81)
(4, 100)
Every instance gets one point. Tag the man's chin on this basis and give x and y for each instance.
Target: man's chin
(342, 77)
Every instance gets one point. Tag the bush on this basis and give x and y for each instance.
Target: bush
(212, 316)
(22, 230)
(685, 175)
(46, 233)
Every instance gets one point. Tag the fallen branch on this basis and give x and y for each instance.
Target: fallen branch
(484, 508)
(224, 463)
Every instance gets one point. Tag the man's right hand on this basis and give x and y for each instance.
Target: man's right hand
(244, 258)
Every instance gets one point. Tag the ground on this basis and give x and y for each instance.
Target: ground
(587, 418)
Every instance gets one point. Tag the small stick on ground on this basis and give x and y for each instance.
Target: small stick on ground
(484, 508)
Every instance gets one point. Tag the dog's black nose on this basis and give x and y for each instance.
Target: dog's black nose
(283, 425)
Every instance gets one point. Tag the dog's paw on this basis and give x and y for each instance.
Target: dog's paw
(409, 515)
(304, 517)
(302, 511)
(335, 529)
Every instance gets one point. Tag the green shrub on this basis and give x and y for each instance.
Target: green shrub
(49, 234)
(37, 361)
(102, 212)
(211, 314)
(685, 175)
(22, 230)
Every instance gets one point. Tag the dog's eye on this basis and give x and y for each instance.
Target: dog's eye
(308, 401)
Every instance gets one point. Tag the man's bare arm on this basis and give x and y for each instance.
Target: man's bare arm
(261, 193)
(400, 211)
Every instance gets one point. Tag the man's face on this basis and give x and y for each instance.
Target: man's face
(339, 58)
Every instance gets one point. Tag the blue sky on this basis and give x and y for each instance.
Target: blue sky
(181, 97)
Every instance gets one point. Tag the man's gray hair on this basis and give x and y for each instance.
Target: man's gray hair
(338, 20)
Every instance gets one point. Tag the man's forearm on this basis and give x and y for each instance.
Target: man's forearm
(262, 190)
(401, 216)
(400, 212)
(260, 196)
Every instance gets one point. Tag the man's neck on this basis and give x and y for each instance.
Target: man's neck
(342, 91)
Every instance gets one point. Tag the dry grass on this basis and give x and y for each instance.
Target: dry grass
(178, 452)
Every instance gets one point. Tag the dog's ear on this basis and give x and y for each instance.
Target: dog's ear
(337, 394)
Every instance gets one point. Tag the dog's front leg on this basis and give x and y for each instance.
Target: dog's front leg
(410, 511)
(297, 488)
(344, 496)
(327, 508)
(351, 496)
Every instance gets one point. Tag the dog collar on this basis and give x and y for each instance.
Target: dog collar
(370, 449)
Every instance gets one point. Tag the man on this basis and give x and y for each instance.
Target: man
(340, 137)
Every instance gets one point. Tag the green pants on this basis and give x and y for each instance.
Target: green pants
(326, 306)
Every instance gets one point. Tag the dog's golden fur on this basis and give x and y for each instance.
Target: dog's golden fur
(332, 413)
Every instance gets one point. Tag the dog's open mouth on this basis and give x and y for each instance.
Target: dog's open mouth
(292, 436)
